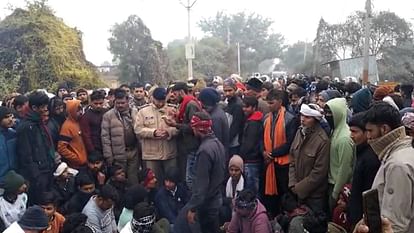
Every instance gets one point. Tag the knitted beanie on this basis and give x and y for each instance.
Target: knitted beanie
(12, 181)
(34, 218)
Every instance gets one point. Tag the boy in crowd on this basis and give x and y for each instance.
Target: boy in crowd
(56, 220)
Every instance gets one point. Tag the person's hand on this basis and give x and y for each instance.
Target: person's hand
(293, 190)
(170, 122)
(267, 158)
(161, 133)
(101, 178)
(362, 228)
(191, 217)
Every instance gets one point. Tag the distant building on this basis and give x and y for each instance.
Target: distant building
(353, 67)
(109, 74)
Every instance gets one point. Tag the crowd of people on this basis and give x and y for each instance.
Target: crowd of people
(293, 155)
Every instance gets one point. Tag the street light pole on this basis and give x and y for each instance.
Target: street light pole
(189, 40)
(365, 71)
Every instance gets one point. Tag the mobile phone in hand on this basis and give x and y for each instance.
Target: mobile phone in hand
(372, 211)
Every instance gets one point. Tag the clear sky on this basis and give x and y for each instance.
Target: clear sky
(167, 19)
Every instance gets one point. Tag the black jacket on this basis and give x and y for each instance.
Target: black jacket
(220, 126)
(235, 109)
(250, 147)
(210, 169)
(186, 140)
(63, 191)
(169, 206)
(76, 203)
(365, 170)
(35, 150)
(291, 126)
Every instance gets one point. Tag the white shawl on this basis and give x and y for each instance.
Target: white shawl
(229, 187)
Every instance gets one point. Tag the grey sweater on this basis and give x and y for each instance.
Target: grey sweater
(99, 220)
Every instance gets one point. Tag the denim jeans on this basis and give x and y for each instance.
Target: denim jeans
(190, 170)
(252, 172)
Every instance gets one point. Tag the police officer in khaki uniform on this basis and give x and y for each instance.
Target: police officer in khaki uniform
(159, 147)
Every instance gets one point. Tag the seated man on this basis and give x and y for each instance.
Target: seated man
(143, 221)
(86, 188)
(133, 196)
(172, 197)
(14, 200)
(99, 210)
(250, 215)
(33, 220)
(49, 205)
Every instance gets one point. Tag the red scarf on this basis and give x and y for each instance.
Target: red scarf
(187, 99)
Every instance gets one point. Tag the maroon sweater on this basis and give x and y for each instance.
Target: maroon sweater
(90, 124)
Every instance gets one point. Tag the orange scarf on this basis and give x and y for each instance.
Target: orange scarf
(269, 144)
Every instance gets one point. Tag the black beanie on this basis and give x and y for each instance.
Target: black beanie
(160, 93)
(4, 111)
(34, 218)
(209, 96)
(255, 84)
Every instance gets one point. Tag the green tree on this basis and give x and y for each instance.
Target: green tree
(295, 60)
(37, 50)
(140, 57)
(213, 57)
(252, 31)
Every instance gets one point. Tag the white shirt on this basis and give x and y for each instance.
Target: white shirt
(127, 228)
(12, 212)
(14, 228)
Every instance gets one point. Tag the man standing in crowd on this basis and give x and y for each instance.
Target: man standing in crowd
(254, 88)
(83, 97)
(7, 142)
(127, 89)
(210, 167)
(159, 148)
(279, 131)
(234, 112)
(209, 98)
(35, 151)
(71, 145)
(62, 90)
(251, 142)
(394, 180)
(342, 148)
(365, 169)
(187, 142)
(21, 106)
(91, 123)
(309, 165)
(138, 93)
(119, 142)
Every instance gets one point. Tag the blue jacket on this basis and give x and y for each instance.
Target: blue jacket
(7, 151)
(169, 206)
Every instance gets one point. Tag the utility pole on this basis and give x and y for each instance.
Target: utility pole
(189, 48)
(305, 52)
(365, 71)
(238, 58)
